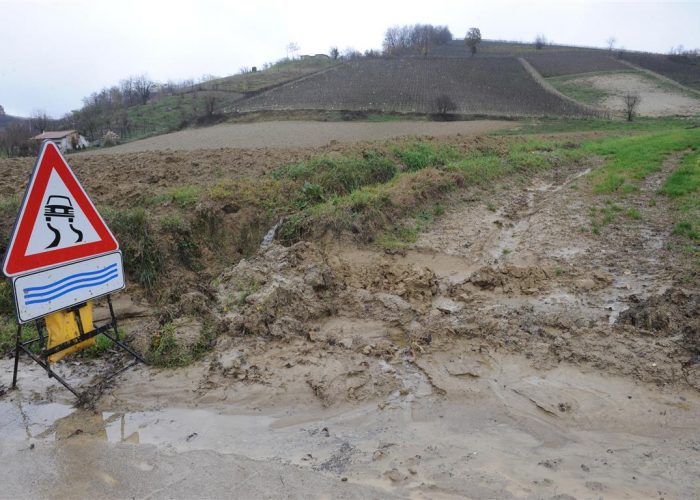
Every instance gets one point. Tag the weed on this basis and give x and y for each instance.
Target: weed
(102, 344)
(310, 194)
(491, 206)
(633, 213)
(340, 175)
(421, 155)
(685, 228)
(173, 223)
(143, 258)
(165, 351)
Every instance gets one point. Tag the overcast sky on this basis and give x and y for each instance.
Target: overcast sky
(53, 53)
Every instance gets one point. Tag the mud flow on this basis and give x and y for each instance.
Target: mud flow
(508, 352)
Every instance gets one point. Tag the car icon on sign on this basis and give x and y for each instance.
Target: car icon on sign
(58, 206)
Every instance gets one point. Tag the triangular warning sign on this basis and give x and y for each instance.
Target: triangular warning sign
(57, 222)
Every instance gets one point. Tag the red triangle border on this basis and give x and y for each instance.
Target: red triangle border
(16, 261)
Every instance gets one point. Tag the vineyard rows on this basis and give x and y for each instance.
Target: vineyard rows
(477, 86)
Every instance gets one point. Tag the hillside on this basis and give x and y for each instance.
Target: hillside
(477, 86)
(7, 120)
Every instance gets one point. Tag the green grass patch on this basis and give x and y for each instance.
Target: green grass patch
(337, 175)
(183, 196)
(102, 344)
(421, 155)
(683, 187)
(165, 350)
(685, 180)
(687, 229)
(8, 334)
(640, 124)
(629, 159)
(580, 90)
(429, 174)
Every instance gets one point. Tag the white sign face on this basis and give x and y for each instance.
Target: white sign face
(60, 223)
(51, 290)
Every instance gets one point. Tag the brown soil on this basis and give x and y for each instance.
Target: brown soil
(294, 134)
(507, 353)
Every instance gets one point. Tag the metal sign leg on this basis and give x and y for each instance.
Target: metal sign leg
(43, 361)
(17, 350)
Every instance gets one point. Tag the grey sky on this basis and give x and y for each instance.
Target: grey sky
(56, 52)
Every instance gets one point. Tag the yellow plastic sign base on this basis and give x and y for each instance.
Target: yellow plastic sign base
(62, 327)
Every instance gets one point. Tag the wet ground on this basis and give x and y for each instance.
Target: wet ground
(511, 351)
(488, 426)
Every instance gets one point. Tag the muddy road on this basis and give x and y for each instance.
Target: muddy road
(519, 348)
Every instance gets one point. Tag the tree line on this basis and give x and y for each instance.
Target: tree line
(416, 38)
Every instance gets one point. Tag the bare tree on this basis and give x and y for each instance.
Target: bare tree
(473, 39)
(610, 42)
(407, 39)
(143, 87)
(631, 102)
(209, 104)
(292, 50)
(540, 42)
(444, 104)
(14, 139)
(334, 52)
(40, 121)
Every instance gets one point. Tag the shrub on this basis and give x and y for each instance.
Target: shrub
(110, 139)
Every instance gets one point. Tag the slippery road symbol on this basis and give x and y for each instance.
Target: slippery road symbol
(60, 206)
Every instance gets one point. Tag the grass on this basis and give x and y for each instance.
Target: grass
(572, 86)
(420, 155)
(561, 125)
(280, 72)
(8, 332)
(102, 344)
(682, 187)
(143, 258)
(629, 159)
(428, 173)
(167, 352)
(337, 175)
(183, 197)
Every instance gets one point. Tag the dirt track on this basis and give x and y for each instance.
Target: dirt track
(510, 352)
(286, 134)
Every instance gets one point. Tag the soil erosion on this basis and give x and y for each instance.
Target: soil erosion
(509, 351)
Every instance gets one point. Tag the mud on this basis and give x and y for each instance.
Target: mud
(511, 351)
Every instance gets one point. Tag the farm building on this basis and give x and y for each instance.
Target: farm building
(66, 140)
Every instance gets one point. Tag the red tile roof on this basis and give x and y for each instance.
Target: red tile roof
(60, 134)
